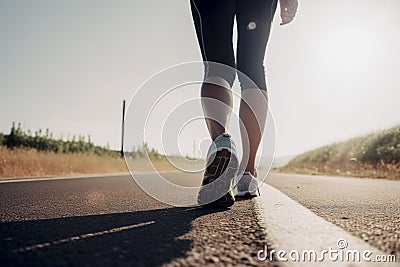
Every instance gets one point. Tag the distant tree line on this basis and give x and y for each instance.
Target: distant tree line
(44, 141)
(143, 152)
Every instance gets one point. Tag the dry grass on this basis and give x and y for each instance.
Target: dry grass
(32, 163)
(346, 168)
(176, 164)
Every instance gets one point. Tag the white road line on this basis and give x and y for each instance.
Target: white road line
(291, 226)
(55, 178)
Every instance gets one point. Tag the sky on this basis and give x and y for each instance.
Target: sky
(332, 74)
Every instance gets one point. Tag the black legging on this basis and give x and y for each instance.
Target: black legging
(213, 21)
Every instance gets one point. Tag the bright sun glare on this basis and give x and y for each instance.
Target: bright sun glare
(351, 49)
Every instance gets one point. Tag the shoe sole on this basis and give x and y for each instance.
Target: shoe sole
(246, 194)
(216, 169)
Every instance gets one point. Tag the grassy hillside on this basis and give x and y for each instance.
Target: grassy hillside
(374, 155)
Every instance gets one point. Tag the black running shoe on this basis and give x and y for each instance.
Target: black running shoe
(222, 166)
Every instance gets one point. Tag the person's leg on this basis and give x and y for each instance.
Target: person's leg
(214, 27)
(253, 114)
(254, 18)
(217, 106)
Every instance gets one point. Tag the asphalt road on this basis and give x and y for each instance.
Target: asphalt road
(367, 208)
(110, 221)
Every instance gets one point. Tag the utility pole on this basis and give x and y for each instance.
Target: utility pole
(123, 128)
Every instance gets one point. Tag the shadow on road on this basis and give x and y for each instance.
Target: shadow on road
(142, 238)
